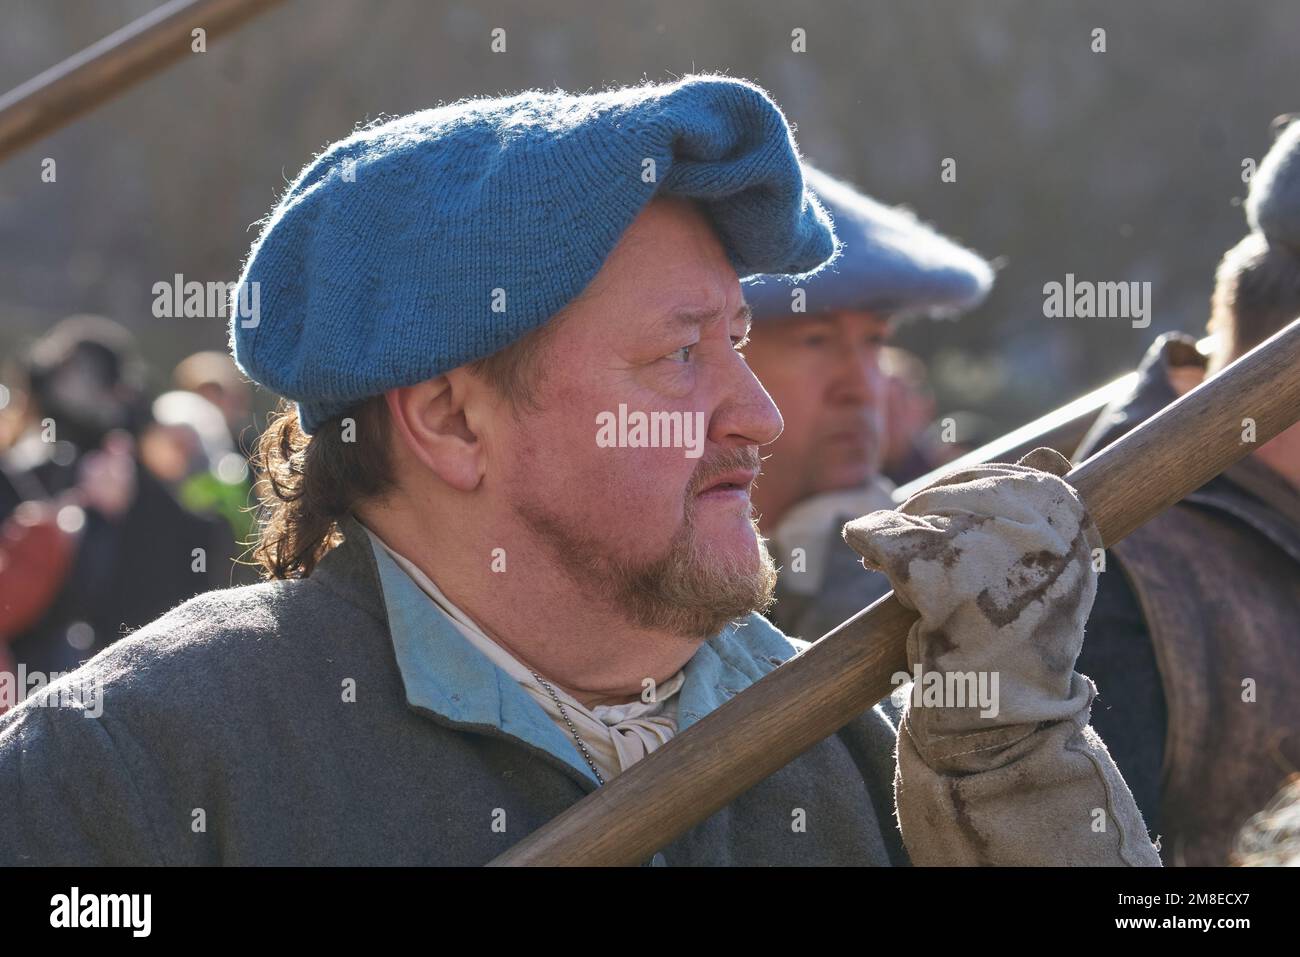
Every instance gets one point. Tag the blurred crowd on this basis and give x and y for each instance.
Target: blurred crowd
(116, 504)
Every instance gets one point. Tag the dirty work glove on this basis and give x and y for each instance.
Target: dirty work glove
(996, 762)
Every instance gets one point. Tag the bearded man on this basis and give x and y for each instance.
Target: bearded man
(478, 613)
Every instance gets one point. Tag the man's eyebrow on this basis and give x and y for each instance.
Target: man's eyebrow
(746, 313)
(698, 317)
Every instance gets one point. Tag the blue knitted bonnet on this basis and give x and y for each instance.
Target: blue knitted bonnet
(435, 239)
(890, 263)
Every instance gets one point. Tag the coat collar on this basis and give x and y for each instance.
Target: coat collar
(1150, 393)
(445, 675)
(1247, 490)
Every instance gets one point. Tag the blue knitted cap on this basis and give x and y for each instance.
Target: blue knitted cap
(1273, 200)
(889, 264)
(438, 238)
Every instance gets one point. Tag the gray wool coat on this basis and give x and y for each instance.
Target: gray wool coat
(336, 720)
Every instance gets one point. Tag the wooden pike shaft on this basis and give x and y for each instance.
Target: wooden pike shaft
(106, 68)
(847, 671)
(1061, 429)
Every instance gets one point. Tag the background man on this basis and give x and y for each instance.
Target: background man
(1193, 639)
(816, 347)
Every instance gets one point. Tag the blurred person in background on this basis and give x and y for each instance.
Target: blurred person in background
(215, 377)
(1193, 641)
(816, 346)
(91, 545)
(909, 411)
(187, 446)
(974, 428)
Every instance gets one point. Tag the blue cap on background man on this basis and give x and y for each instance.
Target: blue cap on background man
(435, 239)
(890, 264)
(1273, 200)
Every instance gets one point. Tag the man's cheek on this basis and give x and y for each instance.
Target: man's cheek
(650, 481)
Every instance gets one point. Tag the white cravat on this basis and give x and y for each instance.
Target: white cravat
(616, 736)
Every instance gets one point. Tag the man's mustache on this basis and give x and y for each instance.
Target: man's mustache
(726, 460)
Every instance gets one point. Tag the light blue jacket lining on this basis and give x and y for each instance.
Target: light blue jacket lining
(447, 675)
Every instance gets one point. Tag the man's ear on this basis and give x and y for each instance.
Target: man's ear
(431, 423)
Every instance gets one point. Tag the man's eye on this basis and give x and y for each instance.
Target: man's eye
(683, 354)
(816, 342)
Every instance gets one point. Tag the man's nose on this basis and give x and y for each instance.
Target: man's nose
(747, 415)
(859, 380)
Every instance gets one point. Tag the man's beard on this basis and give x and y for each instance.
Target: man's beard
(683, 592)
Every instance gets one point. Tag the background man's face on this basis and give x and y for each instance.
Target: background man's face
(649, 528)
(824, 374)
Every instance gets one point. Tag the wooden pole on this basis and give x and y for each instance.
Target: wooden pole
(846, 672)
(1061, 429)
(104, 69)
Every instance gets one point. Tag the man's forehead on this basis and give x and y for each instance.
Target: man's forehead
(670, 252)
(668, 219)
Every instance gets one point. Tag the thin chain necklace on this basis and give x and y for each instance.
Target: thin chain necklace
(573, 730)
